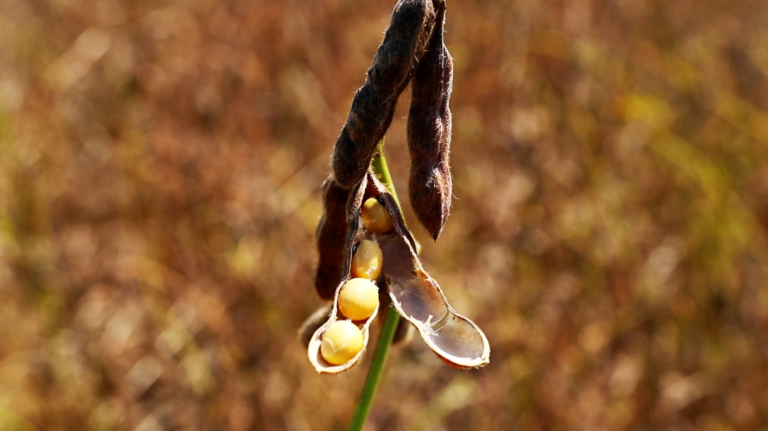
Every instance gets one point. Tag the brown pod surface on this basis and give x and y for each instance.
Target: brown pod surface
(429, 133)
(352, 229)
(374, 104)
(331, 238)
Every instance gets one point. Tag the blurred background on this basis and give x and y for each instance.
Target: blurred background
(160, 176)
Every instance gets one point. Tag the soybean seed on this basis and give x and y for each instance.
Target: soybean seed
(341, 342)
(358, 299)
(367, 260)
(375, 217)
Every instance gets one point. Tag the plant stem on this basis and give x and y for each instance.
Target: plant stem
(380, 169)
(377, 369)
(379, 165)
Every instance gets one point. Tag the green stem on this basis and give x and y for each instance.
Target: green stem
(377, 369)
(380, 169)
(379, 165)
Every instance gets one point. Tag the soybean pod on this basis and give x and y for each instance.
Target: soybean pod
(429, 133)
(331, 238)
(411, 290)
(374, 104)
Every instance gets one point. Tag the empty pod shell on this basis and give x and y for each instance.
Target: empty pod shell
(420, 300)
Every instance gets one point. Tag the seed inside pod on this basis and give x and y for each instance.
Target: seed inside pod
(358, 299)
(341, 342)
(366, 260)
(375, 217)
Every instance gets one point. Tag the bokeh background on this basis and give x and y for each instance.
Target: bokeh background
(160, 167)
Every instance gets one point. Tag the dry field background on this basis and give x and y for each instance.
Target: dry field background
(159, 188)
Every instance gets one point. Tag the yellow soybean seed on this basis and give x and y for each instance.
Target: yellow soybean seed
(367, 260)
(341, 342)
(358, 299)
(375, 217)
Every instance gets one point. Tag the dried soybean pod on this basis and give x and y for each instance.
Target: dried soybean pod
(416, 296)
(331, 238)
(314, 348)
(420, 300)
(429, 132)
(374, 104)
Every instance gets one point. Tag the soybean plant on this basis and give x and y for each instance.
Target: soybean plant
(368, 257)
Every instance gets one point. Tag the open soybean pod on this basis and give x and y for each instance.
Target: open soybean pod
(374, 104)
(413, 292)
(420, 300)
(354, 232)
(332, 238)
(429, 132)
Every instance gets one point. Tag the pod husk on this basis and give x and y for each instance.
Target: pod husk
(331, 238)
(420, 300)
(413, 292)
(373, 106)
(313, 349)
(429, 132)
(353, 227)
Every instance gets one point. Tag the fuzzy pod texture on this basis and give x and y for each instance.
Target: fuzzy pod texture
(429, 133)
(331, 238)
(374, 104)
